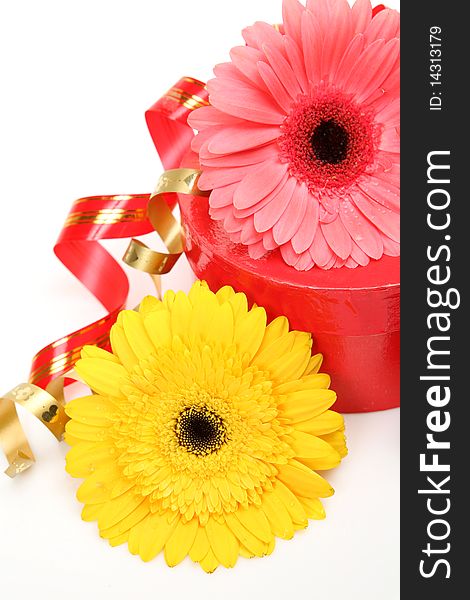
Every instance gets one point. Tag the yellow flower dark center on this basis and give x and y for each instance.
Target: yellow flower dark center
(200, 431)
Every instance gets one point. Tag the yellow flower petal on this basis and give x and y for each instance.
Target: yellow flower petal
(225, 293)
(277, 329)
(122, 348)
(223, 543)
(326, 422)
(103, 376)
(309, 446)
(314, 364)
(307, 382)
(91, 512)
(278, 516)
(303, 405)
(154, 534)
(86, 432)
(96, 352)
(94, 410)
(148, 305)
(253, 519)
(200, 546)
(303, 481)
(246, 538)
(119, 508)
(209, 563)
(181, 316)
(139, 341)
(292, 503)
(249, 331)
(123, 526)
(84, 458)
(180, 541)
(158, 327)
(338, 440)
(313, 508)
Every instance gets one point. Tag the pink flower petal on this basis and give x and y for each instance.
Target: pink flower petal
(258, 183)
(245, 59)
(385, 25)
(320, 252)
(219, 214)
(247, 103)
(270, 214)
(257, 251)
(382, 192)
(351, 263)
(384, 219)
(222, 196)
(289, 255)
(349, 59)
(249, 235)
(337, 237)
(242, 137)
(262, 33)
(321, 10)
(361, 230)
(268, 240)
(292, 12)
(274, 86)
(251, 210)
(386, 59)
(229, 73)
(303, 238)
(240, 159)
(215, 178)
(337, 37)
(312, 42)
(361, 13)
(359, 256)
(391, 248)
(203, 136)
(389, 114)
(208, 116)
(232, 224)
(390, 173)
(390, 140)
(305, 262)
(283, 70)
(297, 63)
(293, 216)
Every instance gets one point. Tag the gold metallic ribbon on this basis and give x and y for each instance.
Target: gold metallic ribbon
(140, 256)
(46, 405)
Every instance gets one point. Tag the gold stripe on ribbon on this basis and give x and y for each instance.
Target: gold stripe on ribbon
(67, 359)
(46, 405)
(140, 256)
(105, 216)
(191, 101)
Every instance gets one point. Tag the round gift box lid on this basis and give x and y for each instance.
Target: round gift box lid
(353, 314)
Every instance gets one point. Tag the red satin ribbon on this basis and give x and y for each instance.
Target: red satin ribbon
(104, 217)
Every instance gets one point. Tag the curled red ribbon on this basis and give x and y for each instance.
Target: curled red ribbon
(122, 216)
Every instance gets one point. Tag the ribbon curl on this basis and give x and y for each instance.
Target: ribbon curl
(97, 218)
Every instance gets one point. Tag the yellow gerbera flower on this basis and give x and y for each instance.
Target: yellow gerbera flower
(205, 430)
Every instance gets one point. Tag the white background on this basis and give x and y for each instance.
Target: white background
(75, 80)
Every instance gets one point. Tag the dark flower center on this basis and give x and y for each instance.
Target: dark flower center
(330, 142)
(200, 431)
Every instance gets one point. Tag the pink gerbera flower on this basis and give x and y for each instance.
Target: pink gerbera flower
(300, 146)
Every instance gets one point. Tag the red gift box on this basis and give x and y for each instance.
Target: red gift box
(353, 314)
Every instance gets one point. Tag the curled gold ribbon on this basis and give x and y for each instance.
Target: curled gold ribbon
(140, 256)
(46, 405)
